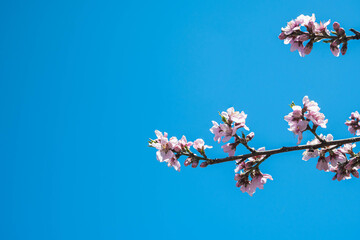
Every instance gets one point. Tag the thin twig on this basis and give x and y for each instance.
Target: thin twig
(279, 150)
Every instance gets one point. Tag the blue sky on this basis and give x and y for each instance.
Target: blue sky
(84, 84)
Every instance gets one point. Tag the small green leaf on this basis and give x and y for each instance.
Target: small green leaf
(292, 104)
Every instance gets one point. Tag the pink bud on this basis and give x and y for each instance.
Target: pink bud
(308, 48)
(341, 31)
(194, 164)
(355, 173)
(335, 43)
(282, 36)
(336, 26)
(204, 164)
(250, 136)
(187, 162)
(310, 27)
(344, 48)
(334, 178)
(237, 177)
(349, 166)
(238, 184)
(302, 37)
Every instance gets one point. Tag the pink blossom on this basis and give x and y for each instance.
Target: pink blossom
(217, 131)
(173, 162)
(296, 123)
(298, 128)
(164, 155)
(199, 145)
(347, 148)
(310, 105)
(291, 27)
(341, 172)
(164, 146)
(336, 157)
(322, 164)
(334, 47)
(257, 181)
(239, 166)
(311, 153)
(313, 113)
(322, 28)
(295, 115)
(305, 20)
(234, 116)
(328, 138)
(229, 148)
(165, 149)
(317, 118)
(297, 45)
(182, 144)
(227, 131)
(247, 188)
(354, 124)
(352, 167)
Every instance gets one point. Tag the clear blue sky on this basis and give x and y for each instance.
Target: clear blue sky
(84, 84)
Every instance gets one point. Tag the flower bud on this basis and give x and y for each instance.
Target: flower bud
(310, 27)
(341, 31)
(187, 162)
(336, 26)
(238, 184)
(335, 43)
(308, 47)
(302, 37)
(237, 177)
(250, 136)
(344, 48)
(334, 177)
(204, 164)
(194, 164)
(282, 36)
(349, 165)
(355, 173)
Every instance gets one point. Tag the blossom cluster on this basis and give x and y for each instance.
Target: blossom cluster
(334, 159)
(300, 117)
(258, 179)
(232, 121)
(246, 169)
(335, 156)
(354, 123)
(305, 29)
(169, 150)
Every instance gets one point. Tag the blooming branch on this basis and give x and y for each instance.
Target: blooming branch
(305, 29)
(333, 155)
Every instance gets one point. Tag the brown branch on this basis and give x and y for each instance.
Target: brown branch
(280, 150)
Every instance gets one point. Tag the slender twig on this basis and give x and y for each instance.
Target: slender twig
(277, 151)
(313, 131)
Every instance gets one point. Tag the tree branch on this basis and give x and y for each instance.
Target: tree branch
(279, 150)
